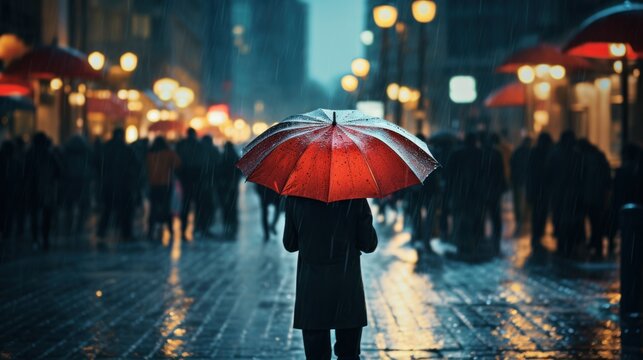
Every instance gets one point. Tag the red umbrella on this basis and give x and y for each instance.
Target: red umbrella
(601, 50)
(617, 24)
(14, 87)
(48, 62)
(332, 155)
(512, 94)
(542, 54)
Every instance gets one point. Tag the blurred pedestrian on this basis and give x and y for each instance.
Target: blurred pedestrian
(76, 183)
(206, 202)
(494, 183)
(564, 169)
(538, 188)
(627, 188)
(190, 150)
(597, 180)
(42, 175)
(162, 163)
(268, 198)
(119, 171)
(9, 187)
(519, 163)
(229, 188)
(329, 292)
(464, 194)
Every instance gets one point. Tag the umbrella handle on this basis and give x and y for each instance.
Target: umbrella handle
(334, 119)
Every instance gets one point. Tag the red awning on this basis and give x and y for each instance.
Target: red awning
(14, 87)
(512, 94)
(111, 107)
(47, 62)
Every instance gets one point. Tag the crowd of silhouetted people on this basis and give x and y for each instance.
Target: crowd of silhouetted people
(46, 188)
(569, 183)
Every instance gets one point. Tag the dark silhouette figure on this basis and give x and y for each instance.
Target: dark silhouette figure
(206, 202)
(119, 170)
(10, 174)
(229, 188)
(77, 175)
(41, 177)
(564, 170)
(190, 151)
(442, 146)
(537, 188)
(464, 196)
(519, 164)
(493, 183)
(267, 198)
(162, 162)
(597, 180)
(627, 187)
(329, 291)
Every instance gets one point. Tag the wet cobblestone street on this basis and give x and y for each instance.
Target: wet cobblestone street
(226, 299)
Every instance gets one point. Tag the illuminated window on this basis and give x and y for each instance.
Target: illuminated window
(462, 89)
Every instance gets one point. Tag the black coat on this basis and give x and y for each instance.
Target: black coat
(329, 238)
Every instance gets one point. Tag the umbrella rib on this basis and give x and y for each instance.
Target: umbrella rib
(330, 167)
(395, 151)
(292, 171)
(368, 165)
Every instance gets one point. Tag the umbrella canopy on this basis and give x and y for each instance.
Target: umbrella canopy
(332, 155)
(617, 24)
(512, 94)
(12, 103)
(14, 87)
(47, 62)
(542, 54)
(601, 50)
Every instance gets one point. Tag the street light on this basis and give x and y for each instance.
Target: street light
(392, 91)
(349, 83)
(423, 11)
(366, 37)
(618, 49)
(360, 67)
(541, 70)
(385, 16)
(526, 74)
(153, 115)
(164, 88)
(183, 97)
(129, 61)
(557, 72)
(542, 90)
(56, 84)
(404, 95)
(96, 60)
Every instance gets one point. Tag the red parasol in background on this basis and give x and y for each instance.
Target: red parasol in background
(542, 54)
(336, 155)
(512, 94)
(14, 87)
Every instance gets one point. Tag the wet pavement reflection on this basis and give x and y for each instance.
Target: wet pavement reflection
(233, 298)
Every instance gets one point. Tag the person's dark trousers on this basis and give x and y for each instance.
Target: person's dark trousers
(495, 216)
(538, 223)
(122, 204)
(317, 344)
(596, 215)
(41, 224)
(205, 210)
(518, 197)
(160, 197)
(189, 187)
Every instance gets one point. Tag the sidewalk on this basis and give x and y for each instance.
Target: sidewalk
(223, 299)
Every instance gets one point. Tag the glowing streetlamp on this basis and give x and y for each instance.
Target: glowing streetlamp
(183, 97)
(96, 60)
(618, 66)
(164, 88)
(76, 99)
(404, 95)
(153, 115)
(526, 74)
(617, 49)
(385, 16)
(360, 67)
(55, 84)
(349, 83)
(542, 90)
(131, 134)
(259, 127)
(366, 37)
(129, 61)
(197, 123)
(423, 11)
(392, 91)
(557, 72)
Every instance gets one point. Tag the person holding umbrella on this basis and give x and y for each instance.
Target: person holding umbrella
(327, 163)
